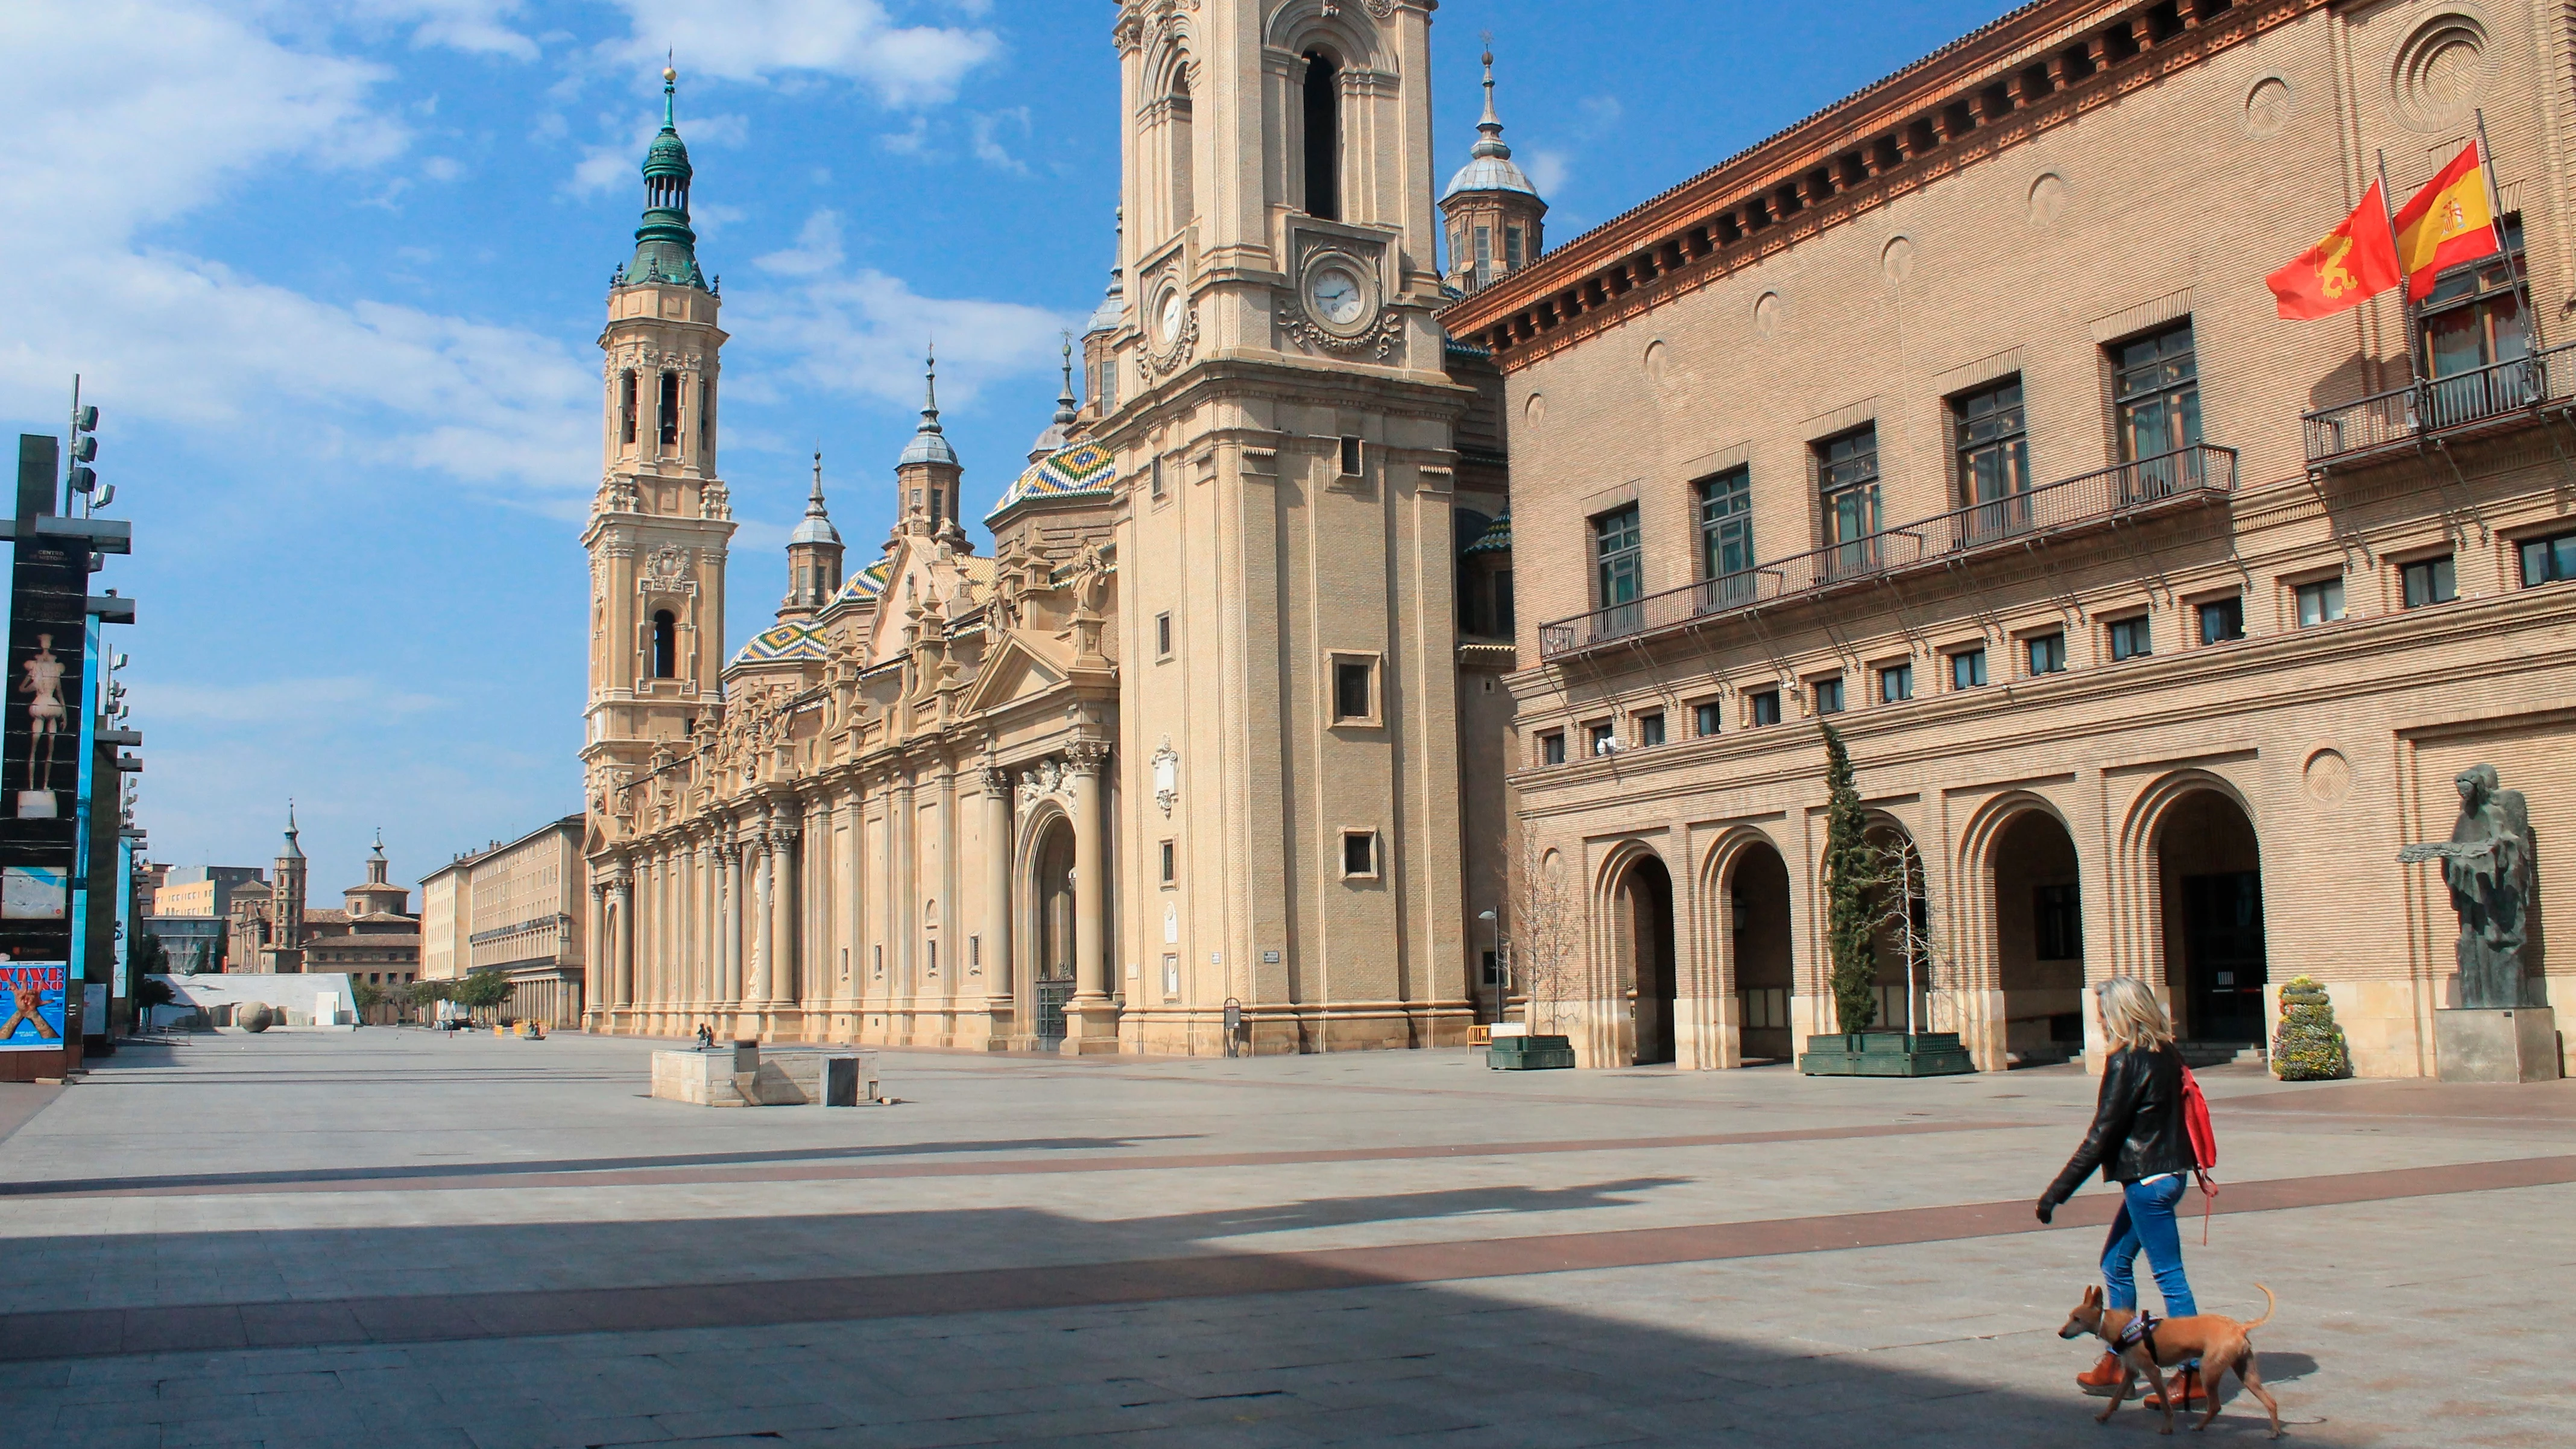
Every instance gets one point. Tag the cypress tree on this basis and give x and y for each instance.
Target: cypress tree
(1851, 891)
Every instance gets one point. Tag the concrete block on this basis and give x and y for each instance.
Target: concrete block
(751, 1077)
(2516, 1044)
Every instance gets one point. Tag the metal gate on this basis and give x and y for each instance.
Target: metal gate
(1052, 995)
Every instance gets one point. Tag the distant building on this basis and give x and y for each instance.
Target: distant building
(192, 943)
(201, 890)
(372, 938)
(514, 908)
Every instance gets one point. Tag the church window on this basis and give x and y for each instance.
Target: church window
(1183, 156)
(1162, 636)
(626, 407)
(1484, 249)
(1350, 457)
(666, 645)
(1359, 854)
(1323, 137)
(1511, 249)
(669, 418)
(1355, 689)
(706, 416)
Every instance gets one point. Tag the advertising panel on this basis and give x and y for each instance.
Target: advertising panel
(32, 1005)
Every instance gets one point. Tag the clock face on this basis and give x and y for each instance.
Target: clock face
(1175, 313)
(1335, 293)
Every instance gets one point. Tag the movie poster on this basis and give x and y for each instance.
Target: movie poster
(31, 1005)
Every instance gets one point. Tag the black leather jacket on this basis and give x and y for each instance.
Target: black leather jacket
(2138, 1129)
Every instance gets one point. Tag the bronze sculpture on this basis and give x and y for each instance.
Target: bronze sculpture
(2487, 863)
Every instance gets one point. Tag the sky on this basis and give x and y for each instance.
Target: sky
(334, 275)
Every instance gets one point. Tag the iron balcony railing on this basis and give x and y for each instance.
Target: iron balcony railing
(2191, 474)
(2465, 400)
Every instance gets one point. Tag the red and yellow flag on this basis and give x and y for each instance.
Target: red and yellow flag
(2355, 260)
(2447, 223)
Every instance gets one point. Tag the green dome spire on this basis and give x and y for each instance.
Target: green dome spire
(666, 248)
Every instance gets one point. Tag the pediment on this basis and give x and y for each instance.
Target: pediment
(1014, 669)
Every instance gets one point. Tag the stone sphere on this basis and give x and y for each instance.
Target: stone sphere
(254, 1016)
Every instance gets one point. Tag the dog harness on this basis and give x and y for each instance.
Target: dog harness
(2141, 1329)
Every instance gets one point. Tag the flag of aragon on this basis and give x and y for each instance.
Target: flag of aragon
(2355, 260)
(2447, 223)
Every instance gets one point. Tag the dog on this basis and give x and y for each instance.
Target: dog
(2219, 1342)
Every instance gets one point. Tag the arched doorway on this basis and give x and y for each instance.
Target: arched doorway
(2209, 879)
(1051, 932)
(1904, 937)
(1757, 913)
(1646, 949)
(2038, 937)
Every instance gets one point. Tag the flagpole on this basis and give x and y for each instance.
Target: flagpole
(2405, 283)
(2495, 218)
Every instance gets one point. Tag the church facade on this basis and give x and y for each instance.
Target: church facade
(1206, 754)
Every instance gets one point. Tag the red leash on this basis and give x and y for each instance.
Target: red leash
(2208, 1203)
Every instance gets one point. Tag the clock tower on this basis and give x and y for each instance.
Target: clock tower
(1284, 424)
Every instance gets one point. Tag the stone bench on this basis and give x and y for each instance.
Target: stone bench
(743, 1075)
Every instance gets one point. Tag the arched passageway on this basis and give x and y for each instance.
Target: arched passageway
(2209, 878)
(2039, 937)
(1646, 948)
(1051, 940)
(1757, 913)
(1904, 931)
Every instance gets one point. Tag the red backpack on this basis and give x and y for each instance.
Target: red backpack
(2204, 1145)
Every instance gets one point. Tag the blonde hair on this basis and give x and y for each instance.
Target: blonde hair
(2131, 1015)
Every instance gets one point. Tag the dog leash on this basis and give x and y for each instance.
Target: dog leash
(2208, 1203)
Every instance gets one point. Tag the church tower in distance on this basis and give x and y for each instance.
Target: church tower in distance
(659, 526)
(1285, 432)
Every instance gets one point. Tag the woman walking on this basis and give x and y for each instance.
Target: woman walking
(2140, 1142)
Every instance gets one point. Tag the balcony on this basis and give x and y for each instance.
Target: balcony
(2184, 478)
(2497, 396)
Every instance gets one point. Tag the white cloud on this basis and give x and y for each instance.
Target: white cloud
(863, 332)
(1599, 113)
(817, 249)
(913, 141)
(1548, 170)
(619, 162)
(764, 40)
(314, 703)
(467, 25)
(987, 133)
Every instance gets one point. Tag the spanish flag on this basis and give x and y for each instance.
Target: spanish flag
(2355, 260)
(2447, 223)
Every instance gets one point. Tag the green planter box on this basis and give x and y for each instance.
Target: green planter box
(1530, 1053)
(1885, 1054)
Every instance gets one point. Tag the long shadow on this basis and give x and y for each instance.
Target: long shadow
(57, 1186)
(850, 1342)
(1334, 1212)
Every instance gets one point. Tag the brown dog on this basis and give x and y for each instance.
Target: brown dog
(2219, 1342)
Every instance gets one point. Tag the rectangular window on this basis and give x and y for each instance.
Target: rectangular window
(706, 417)
(1650, 730)
(1829, 696)
(1162, 636)
(2155, 399)
(1350, 457)
(974, 950)
(1726, 537)
(2222, 620)
(626, 407)
(2429, 581)
(1993, 457)
(1705, 718)
(1896, 684)
(1171, 976)
(1968, 669)
(879, 961)
(1484, 249)
(1551, 748)
(1603, 739)
(2130, 638)
(2060, 923)
(2548, 560)
(1763, 707)
(2477, 317)
(1847, 492)
(1619, 570)
(1171, 863)
(668, 420)
(1359, 854)
(931, 956)
(2320, 602)
(1353, 698)
(1154, 478)
(2047, 653)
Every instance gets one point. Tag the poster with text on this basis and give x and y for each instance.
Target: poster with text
(31, 1005)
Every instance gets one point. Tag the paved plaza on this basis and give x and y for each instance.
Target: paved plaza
(391, 1238)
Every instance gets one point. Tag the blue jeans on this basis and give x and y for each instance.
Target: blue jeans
(2146, 1221)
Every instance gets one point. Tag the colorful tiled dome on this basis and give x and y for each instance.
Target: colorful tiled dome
(791, 643)
(863, 585)
(1085, 470)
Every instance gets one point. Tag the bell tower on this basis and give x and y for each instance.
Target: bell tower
(1284, 425)
(659, 525)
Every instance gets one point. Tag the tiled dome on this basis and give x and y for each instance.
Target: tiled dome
(1083, 470)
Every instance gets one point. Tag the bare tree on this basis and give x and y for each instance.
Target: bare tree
(1546, 932)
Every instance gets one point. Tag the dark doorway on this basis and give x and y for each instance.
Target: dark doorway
(2223, 950)
(2039, 938)
(1757, 910)
(1653, 987)
(1051, 980)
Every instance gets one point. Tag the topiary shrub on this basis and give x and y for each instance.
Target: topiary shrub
(2309, 1046)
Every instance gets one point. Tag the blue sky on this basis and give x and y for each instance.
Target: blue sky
(334, 274)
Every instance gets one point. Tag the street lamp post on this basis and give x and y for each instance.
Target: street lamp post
(1502, 987)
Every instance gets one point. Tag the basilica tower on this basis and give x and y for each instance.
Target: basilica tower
(659, 525)
(1284, 426)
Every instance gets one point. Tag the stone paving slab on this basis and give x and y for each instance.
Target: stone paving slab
(2406, 1319)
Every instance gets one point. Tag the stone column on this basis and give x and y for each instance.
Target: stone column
(621, 970)
(782, 910)
(729, 982)
(1091, 1024)
(685, 909)
(845, 900)
(997, 892)
(594, 938)
(757, 945)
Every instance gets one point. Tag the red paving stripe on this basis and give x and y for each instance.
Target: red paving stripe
(1002, 1167)
(750, 1303)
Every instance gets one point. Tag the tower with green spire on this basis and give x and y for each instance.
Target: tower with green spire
(666, 248)
(659, 528)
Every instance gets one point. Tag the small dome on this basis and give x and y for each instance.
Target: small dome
(667, 156)
(1111, 311)
(1083, 470)
(789, 643)
(928, 446)
(811, 529)
(1490, 173)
